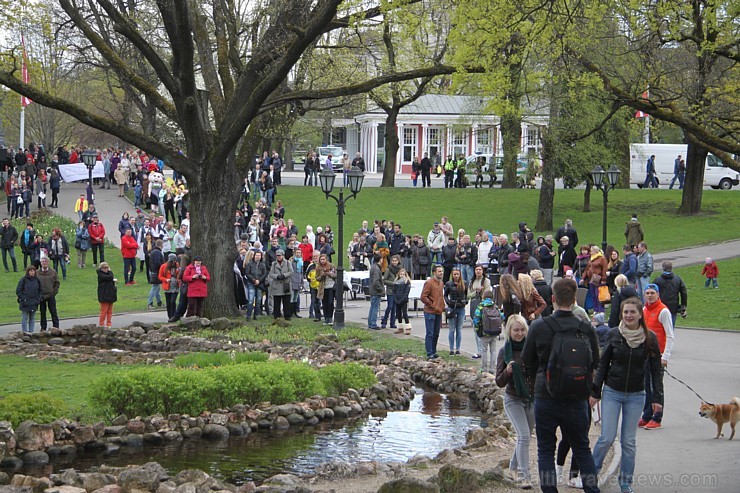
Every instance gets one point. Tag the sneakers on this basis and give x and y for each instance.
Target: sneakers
(642, 423)
(576, 483)
(150, 307)
(652, 425)
(525, 484)
(159, 304)
(476, 356)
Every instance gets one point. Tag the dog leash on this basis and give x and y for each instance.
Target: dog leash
(687, 386)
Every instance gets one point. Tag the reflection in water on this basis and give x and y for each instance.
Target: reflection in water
(433, 423)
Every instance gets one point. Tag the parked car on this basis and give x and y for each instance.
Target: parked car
(336, 156)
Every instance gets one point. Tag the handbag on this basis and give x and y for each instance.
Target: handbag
(19, 200)
(596, 278)
(604, 295)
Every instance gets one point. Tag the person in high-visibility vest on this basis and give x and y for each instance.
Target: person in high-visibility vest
(449, 171)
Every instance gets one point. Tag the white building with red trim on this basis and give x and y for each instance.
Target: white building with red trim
(438, 125)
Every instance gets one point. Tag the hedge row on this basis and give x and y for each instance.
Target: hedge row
(172, 390)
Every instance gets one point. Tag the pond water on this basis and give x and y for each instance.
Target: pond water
(433, 423)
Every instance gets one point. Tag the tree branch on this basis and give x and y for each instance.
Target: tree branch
(365, 86)
(118, 64)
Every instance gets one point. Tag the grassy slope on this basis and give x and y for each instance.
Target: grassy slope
(714, 308)
(500, 211)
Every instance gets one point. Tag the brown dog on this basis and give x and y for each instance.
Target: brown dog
(721, 414)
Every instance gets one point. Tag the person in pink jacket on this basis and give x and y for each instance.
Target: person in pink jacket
(197, 277)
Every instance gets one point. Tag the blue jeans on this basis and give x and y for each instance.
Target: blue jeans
(432, 323)
(455, 334)
(630, 406)
(572, 417)
(154, 293)
(28, 321)
(129, 269)
(642, 282)
(712, 280)
(647, 409)
(467, 273)
(254, 300)
(390, 311)
(436, 257)
(372, 316)
(60, 264)
(521, 415)
(10, 251)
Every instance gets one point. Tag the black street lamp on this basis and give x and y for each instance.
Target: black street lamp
(355, 178)
(612, 178)
(89, 157)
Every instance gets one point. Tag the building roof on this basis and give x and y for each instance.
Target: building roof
(439, 104)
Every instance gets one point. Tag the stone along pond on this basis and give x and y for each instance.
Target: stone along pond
(433, 422)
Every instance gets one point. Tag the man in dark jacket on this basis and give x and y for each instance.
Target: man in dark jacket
(156, 259)
(377, 291)
(629, 264)
(396, 240)
(551, 413)
(503, 253)
(672, 291)
(8, 237)
(49, 290)
(569, 231)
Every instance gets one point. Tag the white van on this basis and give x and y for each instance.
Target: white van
(716, 174)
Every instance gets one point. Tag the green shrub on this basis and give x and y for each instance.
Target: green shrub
(339, 377)
(166, 390)
(204, 360)
(38, 407)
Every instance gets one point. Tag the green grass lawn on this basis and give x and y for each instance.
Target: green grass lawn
(708, 307)
(500, 211)
(69, 382)
(78, 294)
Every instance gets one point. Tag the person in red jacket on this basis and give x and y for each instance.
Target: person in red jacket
(197, 277)
(97, 238)
(711, 272)
(129, 247)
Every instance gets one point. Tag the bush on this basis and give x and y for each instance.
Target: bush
(38, 407)
(203, 360)
(339, 377)
(170, 390)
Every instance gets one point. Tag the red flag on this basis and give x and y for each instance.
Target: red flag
(639, 114)
(24, 71)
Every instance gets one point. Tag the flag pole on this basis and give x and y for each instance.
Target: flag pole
(23, 127)
(647, 120)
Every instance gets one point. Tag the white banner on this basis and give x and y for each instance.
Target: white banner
(79, 172)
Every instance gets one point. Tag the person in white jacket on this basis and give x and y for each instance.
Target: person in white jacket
(436, 241)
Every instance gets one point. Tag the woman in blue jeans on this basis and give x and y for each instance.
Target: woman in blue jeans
(621, 373)
(518, 402)
(456, 297)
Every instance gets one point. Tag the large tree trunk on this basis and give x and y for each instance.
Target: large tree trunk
(694, 185)
(391, 149)
(213, 192)
(547, 190)
(511, 136)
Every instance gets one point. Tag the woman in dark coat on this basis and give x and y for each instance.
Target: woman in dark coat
(623, 290)
(28, 293)
(107, 294)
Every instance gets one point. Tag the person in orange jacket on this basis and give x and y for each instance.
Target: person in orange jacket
(129, 247)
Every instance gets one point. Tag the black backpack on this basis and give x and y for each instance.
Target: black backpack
(569, 370)
(490, 321)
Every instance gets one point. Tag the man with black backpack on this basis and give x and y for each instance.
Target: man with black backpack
(563, 352)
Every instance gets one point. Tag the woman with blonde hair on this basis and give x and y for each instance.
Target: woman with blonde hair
(510, 296)
(623, 290)
(326, 274)
(532, 303)
(518, 396)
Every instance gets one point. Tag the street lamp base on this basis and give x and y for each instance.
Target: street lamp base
(339, 319)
